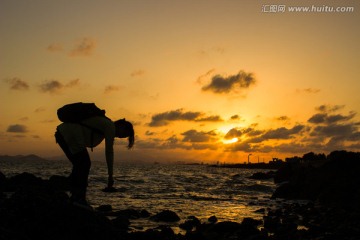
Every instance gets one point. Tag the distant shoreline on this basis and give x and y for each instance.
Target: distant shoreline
(249, 165)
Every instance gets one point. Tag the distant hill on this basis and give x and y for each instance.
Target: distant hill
(30, 157)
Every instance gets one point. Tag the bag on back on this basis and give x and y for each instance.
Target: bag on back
(77, 112)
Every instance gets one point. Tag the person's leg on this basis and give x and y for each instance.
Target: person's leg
(80, 173)
(80, 169)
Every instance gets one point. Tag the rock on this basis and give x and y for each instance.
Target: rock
(121, 222)
(251, 222)
(60, 182)
(104, 208)
(110, 190)
(165, 216)
(212, 219)
(133, 213)
(23, 180)
(284, 173)
(45, 213)
(261, 210)
(333, 184)
(191, 223)
(262, 175)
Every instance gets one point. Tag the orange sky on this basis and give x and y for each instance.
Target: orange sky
(201, 80)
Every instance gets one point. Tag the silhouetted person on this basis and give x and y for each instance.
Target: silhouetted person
(75, 138)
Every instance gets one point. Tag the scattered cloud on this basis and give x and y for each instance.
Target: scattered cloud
(55, 47)
(149, 133)
(235, 117)
(283, 118)
(198, 136)
(326, 118)
(137, 73)
(40, 109)
(282, 132)
(111, 88)
(72, 83)
(83, 48)
(204, 76)
(163, 119)
(329, 108)
(55, 86)
(233, 83)
(308, 90)
(218, 50)
(51, 86)
(17, 128)
(17, 84)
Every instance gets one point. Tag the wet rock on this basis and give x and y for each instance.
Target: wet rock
(261, 210)
(333, 184)
(121, 222)
(110, 190)
(212, 219)
(44, 213)
(165, 216)
(60, 182)
(251, 222)
(191, 223)
(23, 180)
(162, 233)
(133, 213)
(262, 175)
(104, 208)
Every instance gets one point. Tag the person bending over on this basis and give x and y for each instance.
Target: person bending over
(75, 138)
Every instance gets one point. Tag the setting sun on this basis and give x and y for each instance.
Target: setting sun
(233, 140)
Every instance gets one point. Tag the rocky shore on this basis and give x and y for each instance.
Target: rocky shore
(34, 208)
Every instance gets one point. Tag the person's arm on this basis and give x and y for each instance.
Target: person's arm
(109, 135)
(109, 154)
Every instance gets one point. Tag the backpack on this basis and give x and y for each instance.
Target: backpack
(77, 112)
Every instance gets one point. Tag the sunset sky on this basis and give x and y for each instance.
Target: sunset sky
(203, 80)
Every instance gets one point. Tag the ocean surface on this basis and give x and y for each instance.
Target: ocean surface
(188, 190)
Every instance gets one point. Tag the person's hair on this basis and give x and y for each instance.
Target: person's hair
(128, 129)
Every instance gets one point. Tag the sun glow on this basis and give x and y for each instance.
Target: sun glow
(233, 140)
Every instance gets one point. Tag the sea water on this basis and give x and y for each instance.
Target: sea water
(189, 190)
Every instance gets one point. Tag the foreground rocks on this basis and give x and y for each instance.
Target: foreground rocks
(40, 209)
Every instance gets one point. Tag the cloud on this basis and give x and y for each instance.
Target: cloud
(55, 47)
(40, 109)
(196, 136)
(235, 117)
(220, 84)
(329, 108)
(137, 73)
(51, 86)
(283, 118)
(343, 130)
(17, 84)
(201, 78)
(17, 128)
(329, 119)
(83, 48)
(163, 119)
(308, 90)
(214, 118)
(72, 83)
(282, 132)
(111, 88)
(148, 133)
(55, 86)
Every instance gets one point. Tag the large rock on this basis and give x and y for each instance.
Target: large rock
(165, 216)
(37, 211)
(335, 183)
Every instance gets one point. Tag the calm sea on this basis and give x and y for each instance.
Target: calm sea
(197, 190)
